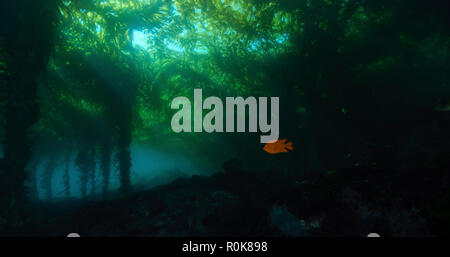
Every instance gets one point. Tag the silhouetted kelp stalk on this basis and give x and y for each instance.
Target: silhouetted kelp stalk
(27, 32)
(47, 175)
(105, 163)
(32, 181)
(66, 176)
(85, 161)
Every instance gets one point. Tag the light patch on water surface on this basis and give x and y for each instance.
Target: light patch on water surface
(140, 38)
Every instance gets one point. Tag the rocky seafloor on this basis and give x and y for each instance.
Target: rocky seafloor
(235, 202)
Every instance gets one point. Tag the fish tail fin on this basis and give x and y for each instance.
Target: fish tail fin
(289, 146)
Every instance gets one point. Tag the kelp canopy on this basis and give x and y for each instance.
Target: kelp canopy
(152, 51)
(166, 48)
(352, 75)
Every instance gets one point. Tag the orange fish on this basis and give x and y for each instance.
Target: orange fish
(279, 146)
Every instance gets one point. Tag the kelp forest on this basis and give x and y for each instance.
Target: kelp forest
(88, 145)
